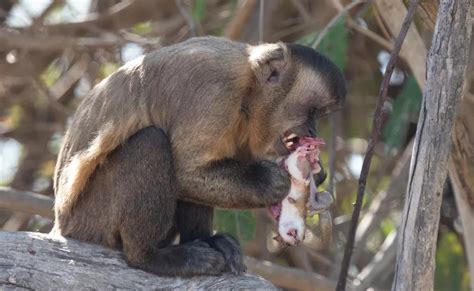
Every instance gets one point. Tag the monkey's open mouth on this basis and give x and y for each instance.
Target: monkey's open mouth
(290, 140)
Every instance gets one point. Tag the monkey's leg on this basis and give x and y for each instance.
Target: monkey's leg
(145, 187)
(195, 223)
(229, 184)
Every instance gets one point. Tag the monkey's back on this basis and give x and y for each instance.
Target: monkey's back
(177, 82)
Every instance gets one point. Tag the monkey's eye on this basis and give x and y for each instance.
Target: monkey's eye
(274, 76)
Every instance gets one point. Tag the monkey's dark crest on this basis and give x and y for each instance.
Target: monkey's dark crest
(159, 143)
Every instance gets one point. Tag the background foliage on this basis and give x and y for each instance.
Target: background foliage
(47, 65)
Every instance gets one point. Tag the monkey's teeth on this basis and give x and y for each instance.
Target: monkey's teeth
(289, 144)
(292, 136)
(289, 137)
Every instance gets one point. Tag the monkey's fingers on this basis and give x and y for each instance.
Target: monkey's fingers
(230, 249)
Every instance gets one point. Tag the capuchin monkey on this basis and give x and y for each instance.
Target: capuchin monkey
(154, 147)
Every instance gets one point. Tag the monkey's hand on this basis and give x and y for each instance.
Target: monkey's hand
(281, 183)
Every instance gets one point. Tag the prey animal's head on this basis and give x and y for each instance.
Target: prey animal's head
(294, 87)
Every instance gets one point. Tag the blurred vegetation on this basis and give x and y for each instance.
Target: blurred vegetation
(33, 118)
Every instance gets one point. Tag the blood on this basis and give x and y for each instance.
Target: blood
(310, 143)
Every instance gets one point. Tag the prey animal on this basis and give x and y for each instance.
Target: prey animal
(291, 212)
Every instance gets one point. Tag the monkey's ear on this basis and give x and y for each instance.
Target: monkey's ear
(269, 62)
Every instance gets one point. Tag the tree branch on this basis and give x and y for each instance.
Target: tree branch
(381, 263)
(241, 18)
(392, 12)
(121, 15)
(333, 21)
(27, 202)
(187, 17)
(42, 262)
(12, 40)
(290, 278)
(285, 277)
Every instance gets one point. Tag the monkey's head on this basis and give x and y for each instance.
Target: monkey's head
(295, 87)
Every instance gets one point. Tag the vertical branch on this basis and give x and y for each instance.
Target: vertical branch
(446, 66)
(237, 25)
(377, 126)
(187, 16)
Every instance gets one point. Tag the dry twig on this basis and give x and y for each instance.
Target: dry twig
(333, 21)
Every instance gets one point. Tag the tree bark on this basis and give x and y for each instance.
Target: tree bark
(461, 172)
(446, 65)
(42, 262)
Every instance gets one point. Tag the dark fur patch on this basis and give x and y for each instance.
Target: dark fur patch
(323, 65)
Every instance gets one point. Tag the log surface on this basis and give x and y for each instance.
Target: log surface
(42, 262)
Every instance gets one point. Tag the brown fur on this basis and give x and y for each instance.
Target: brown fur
(188, 125)
(115, 113)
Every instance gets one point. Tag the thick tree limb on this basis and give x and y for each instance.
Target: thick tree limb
(42, 262)
(285, 277)
(446, 65)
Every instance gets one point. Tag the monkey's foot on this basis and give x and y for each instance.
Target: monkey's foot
(230, 249)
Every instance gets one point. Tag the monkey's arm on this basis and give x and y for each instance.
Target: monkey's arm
(229, 184)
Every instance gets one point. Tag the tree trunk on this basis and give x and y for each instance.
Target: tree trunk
(446, 65)
(42, 262)
(461, 172)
